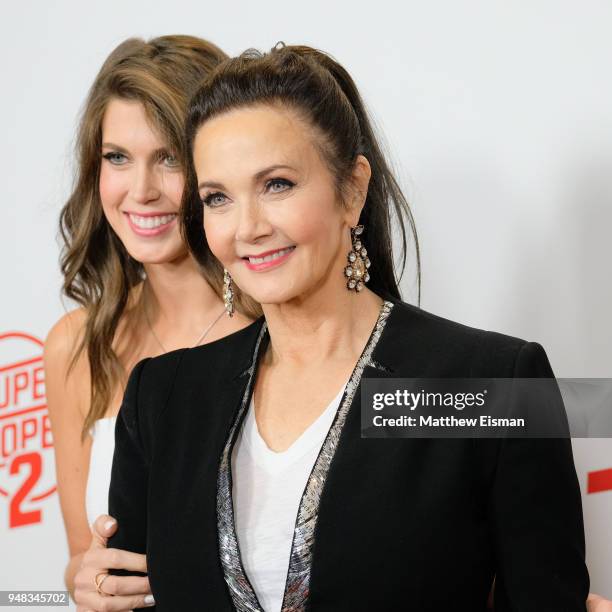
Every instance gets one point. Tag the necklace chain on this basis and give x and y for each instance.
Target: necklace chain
(198, 341)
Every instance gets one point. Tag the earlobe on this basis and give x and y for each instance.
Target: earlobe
(353, 207)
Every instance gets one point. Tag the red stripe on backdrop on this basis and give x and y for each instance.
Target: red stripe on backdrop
(599, 481)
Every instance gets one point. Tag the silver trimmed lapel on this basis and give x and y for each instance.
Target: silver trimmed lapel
(297, 586)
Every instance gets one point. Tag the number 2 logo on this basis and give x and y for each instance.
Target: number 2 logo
(26, 444)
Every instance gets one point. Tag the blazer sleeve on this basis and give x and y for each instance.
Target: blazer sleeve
(536, 513)
(127, 500)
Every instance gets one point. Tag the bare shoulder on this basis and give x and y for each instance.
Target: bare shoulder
(64, 337)
(67, 383)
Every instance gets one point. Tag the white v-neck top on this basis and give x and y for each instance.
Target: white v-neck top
(267, 488)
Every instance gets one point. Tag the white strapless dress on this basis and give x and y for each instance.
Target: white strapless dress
(100, 463)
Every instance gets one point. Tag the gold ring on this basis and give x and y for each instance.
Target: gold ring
(99, 582)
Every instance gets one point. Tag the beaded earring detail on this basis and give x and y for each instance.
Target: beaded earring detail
(228, 293)
(358, 263)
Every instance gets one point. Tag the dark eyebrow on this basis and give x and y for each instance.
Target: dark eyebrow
(269, 169)
(120, 149)
(258, 176)
(112, 145)
(211, 185)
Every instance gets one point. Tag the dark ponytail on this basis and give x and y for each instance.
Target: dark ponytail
(316, 86)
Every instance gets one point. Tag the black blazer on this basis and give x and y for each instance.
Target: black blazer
(419, 525)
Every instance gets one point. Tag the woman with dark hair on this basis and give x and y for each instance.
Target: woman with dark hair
(126, 264)
(239, 466)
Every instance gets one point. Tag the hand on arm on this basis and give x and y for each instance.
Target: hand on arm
(119, 593)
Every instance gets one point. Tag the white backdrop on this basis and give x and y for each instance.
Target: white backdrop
(498, 117)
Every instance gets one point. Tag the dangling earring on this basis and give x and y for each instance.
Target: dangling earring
(358, 262)
(228, 293)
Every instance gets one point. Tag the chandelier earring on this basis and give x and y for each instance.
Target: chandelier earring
(228, 293)
(358, 262)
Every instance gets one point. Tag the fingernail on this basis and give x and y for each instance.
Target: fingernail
(109, 524)
(149, 600)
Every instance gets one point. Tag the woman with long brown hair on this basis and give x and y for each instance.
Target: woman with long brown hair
(127, 266)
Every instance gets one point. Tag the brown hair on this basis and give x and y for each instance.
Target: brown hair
(161, 74)
(321, 90)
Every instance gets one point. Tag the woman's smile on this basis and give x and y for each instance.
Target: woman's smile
(268, 259)
(151, 224)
